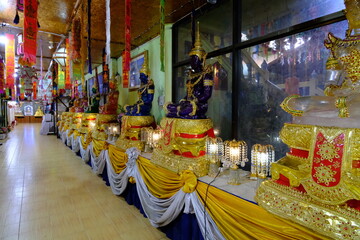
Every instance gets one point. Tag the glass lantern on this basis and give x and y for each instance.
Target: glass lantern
(261, 158)
(235, 153)
(214, 154)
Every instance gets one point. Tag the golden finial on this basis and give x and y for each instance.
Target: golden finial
(144, 69)
(352, 8)
(197, 49)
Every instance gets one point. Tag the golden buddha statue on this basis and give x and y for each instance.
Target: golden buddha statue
(39, 112)
(317, 183)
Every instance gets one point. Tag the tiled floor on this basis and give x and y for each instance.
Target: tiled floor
(47, 192)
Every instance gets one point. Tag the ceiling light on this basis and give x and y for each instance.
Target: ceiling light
(3, 39)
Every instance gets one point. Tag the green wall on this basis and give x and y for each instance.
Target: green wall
(162, 80)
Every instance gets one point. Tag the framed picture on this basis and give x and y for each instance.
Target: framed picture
(136, 64)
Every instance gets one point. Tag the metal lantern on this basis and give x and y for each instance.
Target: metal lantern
(261, 158)
(214, 154)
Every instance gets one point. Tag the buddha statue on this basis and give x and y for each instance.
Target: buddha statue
(39, 112)
(146, 95)
(111, 105)
(317, 183)
(95, 100)
(198, 87)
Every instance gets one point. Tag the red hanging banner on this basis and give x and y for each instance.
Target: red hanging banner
(30, 33)
(126, 54)
(10, 60)
(34, 90)
(2, 76)
(68, 66)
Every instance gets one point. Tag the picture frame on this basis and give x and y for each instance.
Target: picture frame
(136, 64)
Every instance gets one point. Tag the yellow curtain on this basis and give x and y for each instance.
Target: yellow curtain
(163, 183)
(240, 219)
(98, 146)
(118, 158)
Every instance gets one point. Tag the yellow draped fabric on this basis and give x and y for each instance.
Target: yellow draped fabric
(98, 146)
(118, 158)
(163, 183)
(240, 219)
(70, 132)
(83, 141)
(76, 134)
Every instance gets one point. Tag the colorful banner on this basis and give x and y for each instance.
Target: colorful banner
(68, 66)
(60, 79)
(126, 55)
(77, 79)
(2, 76)
(162, 35)
(30, 33)
(10, 60)
(76, 40)
(34, 90)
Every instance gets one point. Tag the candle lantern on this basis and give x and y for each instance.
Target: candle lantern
(155, 136)
(214, 154)
(235, 153)
(145, 138)
(261, 158)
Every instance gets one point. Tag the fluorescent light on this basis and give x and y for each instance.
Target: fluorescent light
(3, 39)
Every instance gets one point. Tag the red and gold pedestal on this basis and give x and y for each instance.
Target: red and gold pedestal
(317, 184)
(130, 135)
(183, 145)
(102, 122)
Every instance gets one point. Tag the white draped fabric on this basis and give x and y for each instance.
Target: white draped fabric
(63, 136)
(98, 163)
(75, 144)
(69, 140)
(85, 153)
(160, 212)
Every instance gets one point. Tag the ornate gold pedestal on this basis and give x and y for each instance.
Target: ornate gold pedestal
(131, 129)
(183, 145)
(317, 181)
(103, 121)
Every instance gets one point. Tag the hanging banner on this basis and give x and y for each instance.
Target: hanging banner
(76, 40)
(89, 37)
(108, 32)
(34, 90)
(68, 66)
(30, 33)
(77, 76)
(2, 76)
(10, 60)
(126, 55)
(60, 79)
(105, 73)
(162, 35)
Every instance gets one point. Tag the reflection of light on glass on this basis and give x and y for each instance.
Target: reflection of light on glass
(287, 45)
(299, 42)
(272, 44)
(216, 132)
(244, 37)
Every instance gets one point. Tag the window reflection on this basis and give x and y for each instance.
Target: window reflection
(263, 17)
(274, 70)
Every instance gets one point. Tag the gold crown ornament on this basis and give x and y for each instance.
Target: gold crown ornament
(144, 69)
(197, 49)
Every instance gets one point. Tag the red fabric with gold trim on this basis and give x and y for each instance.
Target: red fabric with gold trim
(68, 84)
(10, 60)
(167, 132)
(34, 90)
(327, 160)
(356, 164)
(30, 33)
(2, 76)
(299, 153)
(126, 54)
(188, 154)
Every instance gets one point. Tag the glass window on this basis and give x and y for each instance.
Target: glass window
(275, 70)
(263, 17)
(216, 31)
(220, 105)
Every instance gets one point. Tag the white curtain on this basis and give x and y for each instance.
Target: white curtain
(64, 136)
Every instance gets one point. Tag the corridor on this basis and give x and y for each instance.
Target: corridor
(47, 192)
